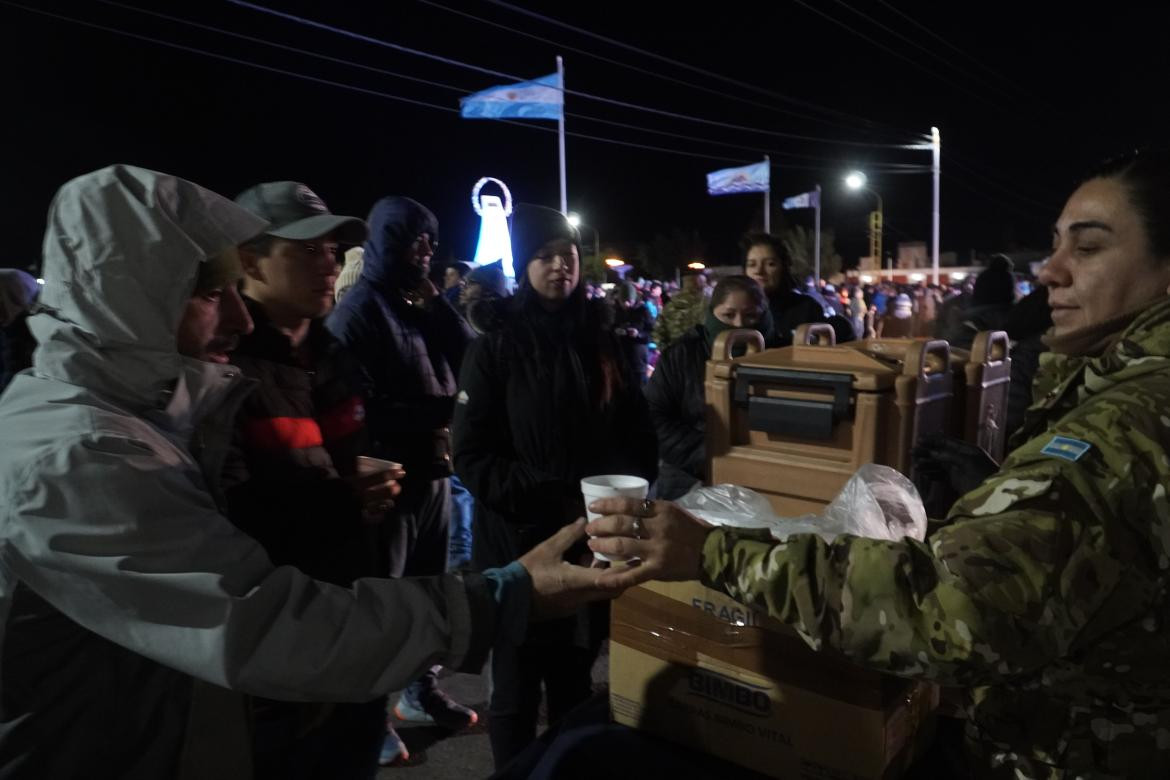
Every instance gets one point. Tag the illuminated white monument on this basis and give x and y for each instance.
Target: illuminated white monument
(495, 241)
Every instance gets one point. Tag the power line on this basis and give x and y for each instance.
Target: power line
(635, 68)
(234, 60)
(1007, 190)
(881, 167)
(995, 175)
(364, 90)
(577, 93)
(947, 43)
(295, 49)
(892, 52)
(920, 47)
(684, 65)
(1022, 211)
(375, 41)
(387, 95)
(461, 90)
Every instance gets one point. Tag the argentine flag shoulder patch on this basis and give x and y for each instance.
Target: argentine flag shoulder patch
(1065, 448)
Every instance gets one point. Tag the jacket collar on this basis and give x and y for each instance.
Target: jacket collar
(1065, 381)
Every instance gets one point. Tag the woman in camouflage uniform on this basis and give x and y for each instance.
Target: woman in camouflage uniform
(1045, 593)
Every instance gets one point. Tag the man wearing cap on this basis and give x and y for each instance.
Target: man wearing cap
(130, 607)
(291, 478)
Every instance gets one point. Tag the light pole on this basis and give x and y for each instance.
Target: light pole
(575, 221)
(856, 180)
(936, 168)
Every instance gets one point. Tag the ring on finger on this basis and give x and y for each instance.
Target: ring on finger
(647, 508)
(638, 529)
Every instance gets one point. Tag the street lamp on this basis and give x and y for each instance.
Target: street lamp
(856, 180)
(576, 221)
(614, 262)
(696, 266)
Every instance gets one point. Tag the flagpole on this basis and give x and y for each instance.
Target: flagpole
(817, 240)
(561, 136)
(936, 148)
(768, 196)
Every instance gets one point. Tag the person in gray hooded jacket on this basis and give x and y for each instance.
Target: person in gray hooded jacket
(128, 601)
(18, 292)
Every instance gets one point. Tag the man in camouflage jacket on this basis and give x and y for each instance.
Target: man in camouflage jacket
(681, 313)
(1044, 595)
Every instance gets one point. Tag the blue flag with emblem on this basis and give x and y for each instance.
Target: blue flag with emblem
(805, 200)
(732, 181)
(542, 98)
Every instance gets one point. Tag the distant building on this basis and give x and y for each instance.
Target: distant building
(912, 254)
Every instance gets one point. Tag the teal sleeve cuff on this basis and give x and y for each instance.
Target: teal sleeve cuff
(511, 587)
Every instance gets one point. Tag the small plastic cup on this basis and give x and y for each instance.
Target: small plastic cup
(367, 465)
(609, 486)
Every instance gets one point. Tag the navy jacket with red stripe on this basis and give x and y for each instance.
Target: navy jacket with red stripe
(297, 435)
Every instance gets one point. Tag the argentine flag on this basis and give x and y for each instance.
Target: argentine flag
(732, 181)
(541, 98)
(805, 200)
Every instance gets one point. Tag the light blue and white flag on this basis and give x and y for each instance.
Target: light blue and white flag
(805, 200)
(541, 98)
(732, 181)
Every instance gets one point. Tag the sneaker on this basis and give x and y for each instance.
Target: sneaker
(393, 749)
(434, 706)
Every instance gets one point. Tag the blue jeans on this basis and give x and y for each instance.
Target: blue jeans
(462, 515)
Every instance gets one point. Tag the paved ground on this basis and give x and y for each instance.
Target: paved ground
(436, 754)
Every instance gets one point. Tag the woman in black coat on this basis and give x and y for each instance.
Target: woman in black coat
(545, 399)
(675, 391)
(767, 260)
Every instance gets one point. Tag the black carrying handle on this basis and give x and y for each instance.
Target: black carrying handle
(791, 416)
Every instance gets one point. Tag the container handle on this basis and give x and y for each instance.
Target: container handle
(815, 334)
(926, 359)
(990, 347)
(726, 341)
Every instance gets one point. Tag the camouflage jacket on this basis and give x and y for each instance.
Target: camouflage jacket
(1044, 595)
(683, 312)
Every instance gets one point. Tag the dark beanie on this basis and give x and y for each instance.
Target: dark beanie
(490, 277)
(532, 228)
(996, 285)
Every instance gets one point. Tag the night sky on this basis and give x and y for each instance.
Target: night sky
(1026, 95)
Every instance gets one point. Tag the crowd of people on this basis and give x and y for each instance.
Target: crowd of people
(253, 484)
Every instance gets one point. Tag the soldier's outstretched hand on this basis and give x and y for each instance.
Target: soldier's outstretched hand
(664, 541)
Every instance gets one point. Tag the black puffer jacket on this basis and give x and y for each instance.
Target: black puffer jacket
(410, 354)
(789, 310)
(636, 327)
(529, 424)
(977, 319)
(676, 400)
(297, 434)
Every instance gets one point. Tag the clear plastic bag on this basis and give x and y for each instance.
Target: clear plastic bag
(877, 503)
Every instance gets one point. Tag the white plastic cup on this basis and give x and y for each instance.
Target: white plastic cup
(609, 486)
(367, 465)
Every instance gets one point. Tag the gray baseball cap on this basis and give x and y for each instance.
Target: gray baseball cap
(294, 212)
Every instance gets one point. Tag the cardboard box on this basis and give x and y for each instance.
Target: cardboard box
(697, 668)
